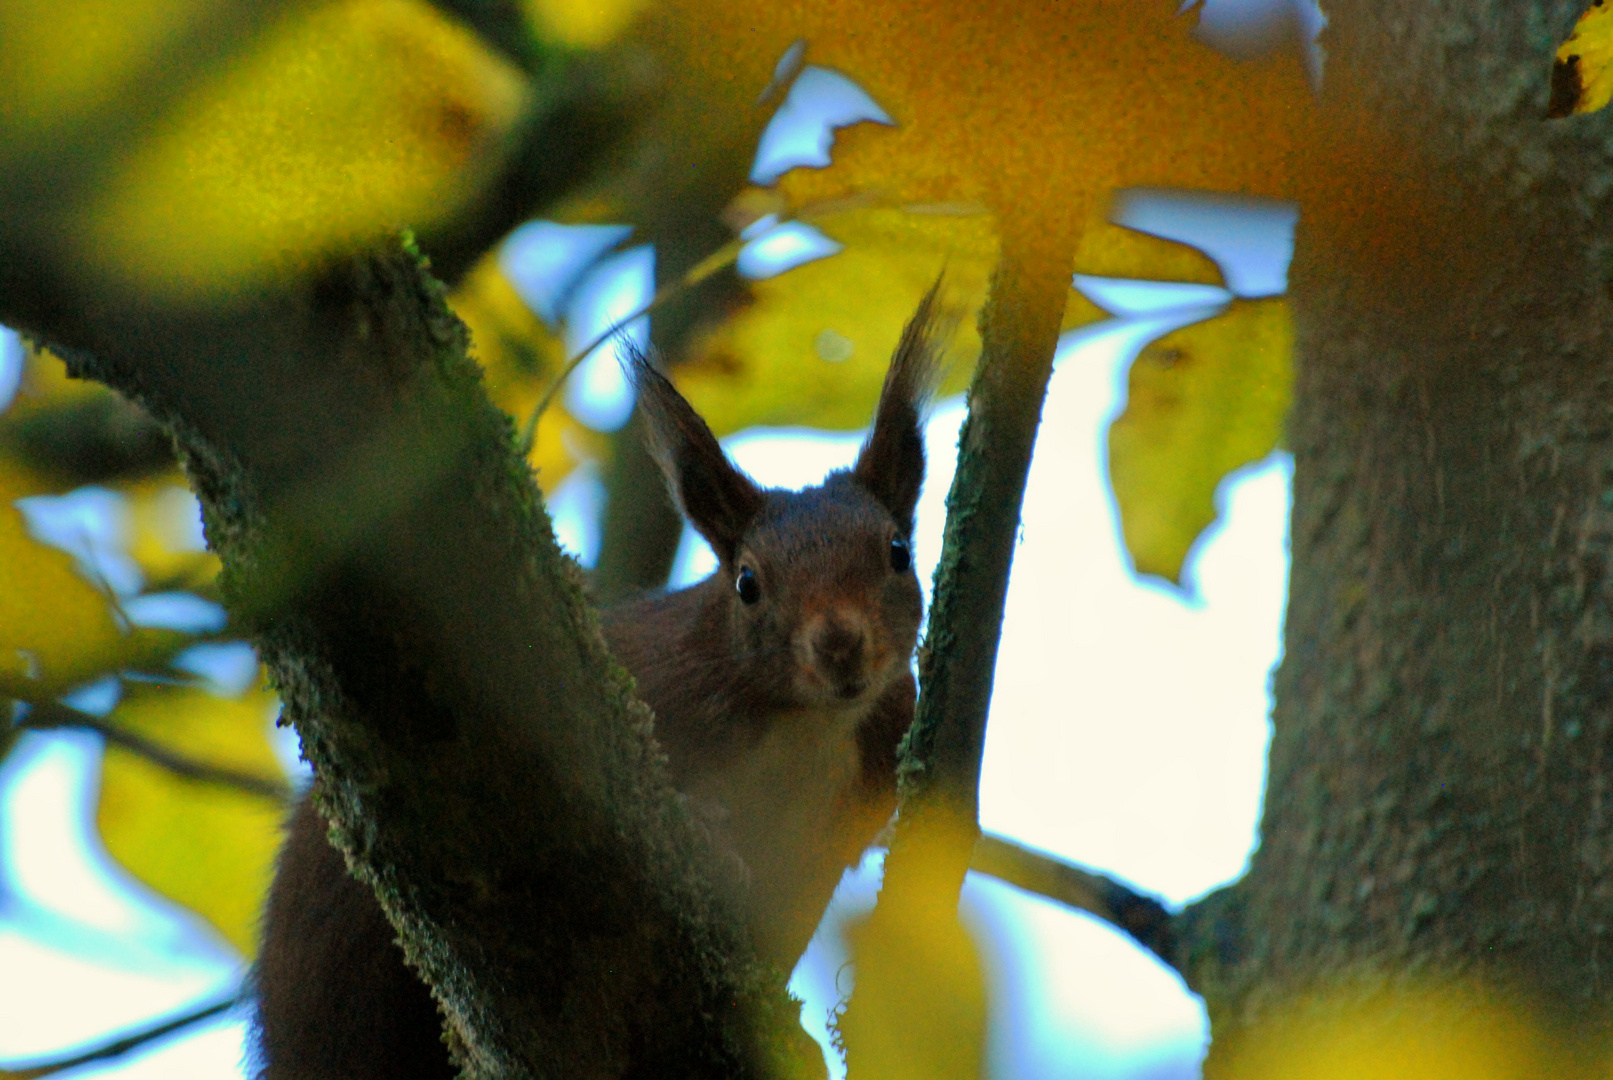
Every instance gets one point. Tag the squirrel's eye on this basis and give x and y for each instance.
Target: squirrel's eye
(746, 584)
(901, 555)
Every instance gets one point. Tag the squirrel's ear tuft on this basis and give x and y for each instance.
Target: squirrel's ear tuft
(720, 501)
(891, 465)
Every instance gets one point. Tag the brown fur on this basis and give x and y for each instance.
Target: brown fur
(780, 721)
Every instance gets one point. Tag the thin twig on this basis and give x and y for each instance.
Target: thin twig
(120, 1046)
(697, 273)
(53, 715)
(1143, 917)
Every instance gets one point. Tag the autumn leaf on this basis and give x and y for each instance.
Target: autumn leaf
(1203, 401)
(812, 348)
(521, 358)
(1415, 1032)
(1114, 251)
(583, 23)
(165, 532)
(1094, 123)
(341, 123)
(1582, 73)
(919, 1008)
(207, 847)
(60, 60)
(51, 617)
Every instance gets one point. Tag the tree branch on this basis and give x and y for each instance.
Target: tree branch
(87, 440)
(917, 971)
(476, 750)
(53, 715)
(1019, 329)
(1144, 918)
(122, 1045)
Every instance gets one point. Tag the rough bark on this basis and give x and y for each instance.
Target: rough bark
(919, 1007)
(478, 753)
(1437, 807)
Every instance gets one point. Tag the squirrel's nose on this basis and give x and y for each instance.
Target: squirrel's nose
(839, 648)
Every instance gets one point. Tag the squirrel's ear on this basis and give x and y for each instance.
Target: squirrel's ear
(720, 501)
(891, 464)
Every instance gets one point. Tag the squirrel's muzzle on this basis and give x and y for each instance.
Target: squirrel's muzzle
(838, 651)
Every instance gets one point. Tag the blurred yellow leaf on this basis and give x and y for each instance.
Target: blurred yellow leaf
(57, 59)
(45, 382)
(520, 358)
(956, 78)
(342, 122)
(1109, 250)
(583, 23)
(165, 519)
(51, 617)
(813, 347)
(918, 1009)
(207, 847)
(1582, 74)
(1203, 401)
(1405, 1033)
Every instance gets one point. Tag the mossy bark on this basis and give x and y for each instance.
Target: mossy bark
(478, 753)
(1437, 811)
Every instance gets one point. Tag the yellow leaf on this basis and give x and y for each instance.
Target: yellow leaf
(59, 59)
(51, 617)
(1203, 401)
(918, 1009)
(1096, 121)
(1582, 74)
(1405, 1033)
(1109, 250)
(520, 358)
(162, 512)
(813, 347)
(45, 382)
(205, 846)
(584, 23)
(343, 122)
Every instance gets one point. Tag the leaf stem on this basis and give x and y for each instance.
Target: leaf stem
(698, 273)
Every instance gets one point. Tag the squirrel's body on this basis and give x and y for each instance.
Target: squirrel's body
(781, 686)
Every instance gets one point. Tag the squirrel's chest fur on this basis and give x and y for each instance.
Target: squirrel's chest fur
(780, 806)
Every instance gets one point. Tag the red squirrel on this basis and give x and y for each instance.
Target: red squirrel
(781, 685)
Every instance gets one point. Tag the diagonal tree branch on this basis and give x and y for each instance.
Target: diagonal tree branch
(116, 1048)
(1148, 921)
(476, 749)
(53, 715)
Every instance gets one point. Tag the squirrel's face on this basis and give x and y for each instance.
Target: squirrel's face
(823, 603)
(824, 597)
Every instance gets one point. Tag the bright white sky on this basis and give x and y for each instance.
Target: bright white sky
(1128, 726)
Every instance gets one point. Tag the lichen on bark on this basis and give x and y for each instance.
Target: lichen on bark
(479, 754)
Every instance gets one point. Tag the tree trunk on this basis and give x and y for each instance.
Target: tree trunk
(1437, 820)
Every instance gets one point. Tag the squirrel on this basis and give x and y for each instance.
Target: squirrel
(781, 686)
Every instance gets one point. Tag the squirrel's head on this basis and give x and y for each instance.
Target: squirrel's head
(824, 601)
